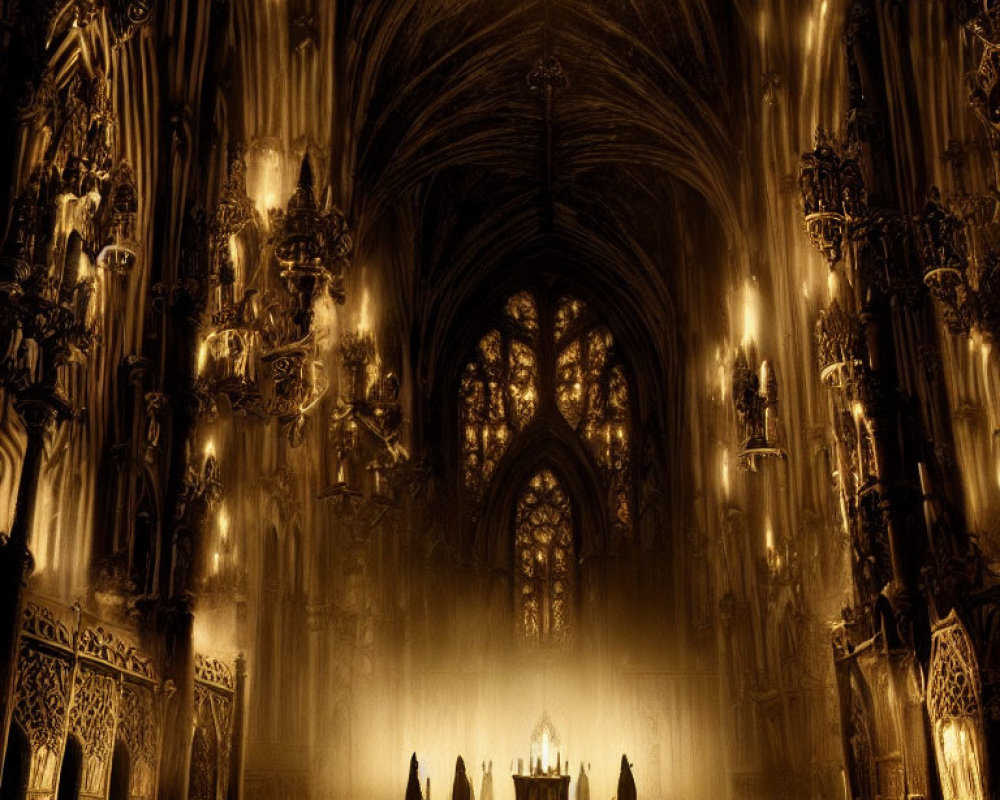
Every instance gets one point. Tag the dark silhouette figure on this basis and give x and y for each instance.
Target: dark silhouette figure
(582, 785)
(461, 789)
(413, 784)
(626, 783)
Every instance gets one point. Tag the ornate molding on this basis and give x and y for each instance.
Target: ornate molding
(214, 672)
(41, 623)
(100, 643)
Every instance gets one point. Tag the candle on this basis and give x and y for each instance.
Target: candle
(545, 751)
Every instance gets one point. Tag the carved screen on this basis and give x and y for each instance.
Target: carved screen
(545, 562)
(499, 391)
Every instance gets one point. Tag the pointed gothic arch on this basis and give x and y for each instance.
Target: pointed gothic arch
(954, 706)
(546, 383)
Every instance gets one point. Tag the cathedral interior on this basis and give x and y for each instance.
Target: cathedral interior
(517, 398)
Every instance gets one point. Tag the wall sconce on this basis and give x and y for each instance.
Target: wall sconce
(119, 253)
(313, 248)
(755, 397)
(833, 197)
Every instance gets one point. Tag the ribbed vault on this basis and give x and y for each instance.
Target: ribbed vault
(454, 158)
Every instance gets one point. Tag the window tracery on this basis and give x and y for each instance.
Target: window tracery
(545, 561)
(499, 391)
(592, 394)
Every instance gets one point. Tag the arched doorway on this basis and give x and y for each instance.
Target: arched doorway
(121, 773)
(16, 765)
(71, 772)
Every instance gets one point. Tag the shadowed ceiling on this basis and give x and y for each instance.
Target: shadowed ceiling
(459, 151)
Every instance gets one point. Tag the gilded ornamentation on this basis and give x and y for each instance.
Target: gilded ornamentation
(100, 643)
(833, 197)
(313, 247)
(214, 672)
(40, 622)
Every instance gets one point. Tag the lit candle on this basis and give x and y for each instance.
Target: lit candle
(545, 751)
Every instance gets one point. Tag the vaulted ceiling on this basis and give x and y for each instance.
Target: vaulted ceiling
(460, 152)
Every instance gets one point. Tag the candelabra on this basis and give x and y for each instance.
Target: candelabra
(982, 19)
(833, 197)
(755, 397)
(963, 279)
(366, 426)
(313, 248)
(261, 351)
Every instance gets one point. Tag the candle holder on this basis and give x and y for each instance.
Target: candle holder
(755, 397)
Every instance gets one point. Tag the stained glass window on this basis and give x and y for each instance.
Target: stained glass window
(545, 561)
(499, 391)
(592, 394)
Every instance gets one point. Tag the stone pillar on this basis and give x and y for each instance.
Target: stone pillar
(38, 411)
(178, 712)
(236, 753)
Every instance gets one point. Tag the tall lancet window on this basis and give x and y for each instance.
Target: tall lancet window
(499, 391)
(545, 574)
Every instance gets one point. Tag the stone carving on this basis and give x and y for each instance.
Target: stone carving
(40, 622)
(213, 735)
(42, 690)
(214, 672)
(92, 720)
(955, 710)
(105, 645)
(138, 726)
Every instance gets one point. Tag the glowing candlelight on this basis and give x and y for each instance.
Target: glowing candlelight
(202, 356)
(545, 751)
(223, 524)
(364, 322)
(750, 314)
(724, 469)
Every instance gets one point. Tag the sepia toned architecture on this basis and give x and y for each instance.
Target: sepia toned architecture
(516, 399)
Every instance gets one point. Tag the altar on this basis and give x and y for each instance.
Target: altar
(541, 787)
